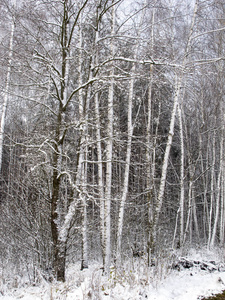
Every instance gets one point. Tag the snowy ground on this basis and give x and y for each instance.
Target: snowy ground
(134, 282)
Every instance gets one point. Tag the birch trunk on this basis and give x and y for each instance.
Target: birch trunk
(181, 177)
(204, 178)
(100, 174)
(194, 210)
(82, 165)
(218, 192)
(127, 167)
(108, 180)
(84, 259)
(6, 92)
(179, 80)
(166, 155)
(222, 209)
(130, 127)
(189, 215)
(211, 190)
(180, 211)
(109, 148)
(99, 158)
(222, 213)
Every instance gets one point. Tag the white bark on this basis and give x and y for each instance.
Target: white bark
(204, 179)
(127, 167)
(130, 129)
(222, 212)
(84, 260)
(167, 153)
(100, 172)
(218, 193)
(181, 177)
(6, 92)
(172, 122)
(108, 180)
(211, 190)
(189, 216)
(195, 214)
(82, 166)
(99, 155)
(109, 148)
(175, 229)
(181, 206)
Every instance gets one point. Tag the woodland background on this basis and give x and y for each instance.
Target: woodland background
(112, 130)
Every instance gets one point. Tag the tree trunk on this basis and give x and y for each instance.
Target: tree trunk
(159, 201)
(181, 177)
(59, 244)
(127, 168)
(218, 191)
(212, 190)
(150, 153)
(82, 164)
(194, 209)
(6, 92)
(59, 247)
(100, 176)
(109, 149)
(178, 83)
(222, 209)
(189, 214)
(99, 155)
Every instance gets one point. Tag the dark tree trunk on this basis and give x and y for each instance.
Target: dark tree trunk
(59, 247)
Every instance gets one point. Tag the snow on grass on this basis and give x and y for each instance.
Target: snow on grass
(132, 282)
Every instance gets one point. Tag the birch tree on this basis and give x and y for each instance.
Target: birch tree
(6, 91)
(130, 127)
(99, 146)
(178, 83)
(218, 192)
(109, 152)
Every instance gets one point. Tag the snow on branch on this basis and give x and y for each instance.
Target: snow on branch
(207, 32)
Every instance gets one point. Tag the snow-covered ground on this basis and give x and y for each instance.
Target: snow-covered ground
(135, 281)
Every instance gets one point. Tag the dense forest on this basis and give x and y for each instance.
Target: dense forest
(112, 130)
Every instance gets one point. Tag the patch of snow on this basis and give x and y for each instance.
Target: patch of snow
(134, 282)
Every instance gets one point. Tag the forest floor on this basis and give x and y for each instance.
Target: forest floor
(133, 282)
